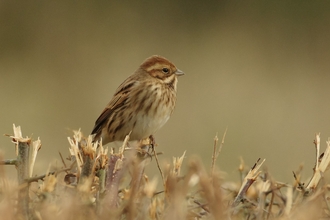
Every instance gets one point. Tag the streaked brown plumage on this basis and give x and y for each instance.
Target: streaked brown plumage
(141, 104)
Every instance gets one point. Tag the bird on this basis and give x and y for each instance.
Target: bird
(142, 104)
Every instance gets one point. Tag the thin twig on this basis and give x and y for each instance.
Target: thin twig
(300, 185)
(159, 168)
(248, 180)
(270, 204)
(214, 155)
(203, 206)
(41, 177)
(8, 162)
(62, 159)
(222, 142)
(217, 153)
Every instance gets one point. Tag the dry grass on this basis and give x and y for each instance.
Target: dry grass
(97, 183)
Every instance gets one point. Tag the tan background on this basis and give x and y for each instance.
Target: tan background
(260, 69)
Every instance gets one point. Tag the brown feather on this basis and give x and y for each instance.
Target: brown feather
(138, 103)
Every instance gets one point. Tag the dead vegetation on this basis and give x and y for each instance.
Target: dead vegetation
(99, 183)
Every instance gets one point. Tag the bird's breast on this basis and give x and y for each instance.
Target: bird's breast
(158, 107)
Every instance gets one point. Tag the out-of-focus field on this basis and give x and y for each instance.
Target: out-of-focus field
(260, 69)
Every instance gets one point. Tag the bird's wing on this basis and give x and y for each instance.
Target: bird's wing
(116, 102)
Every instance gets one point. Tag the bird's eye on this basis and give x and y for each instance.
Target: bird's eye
(165, 70)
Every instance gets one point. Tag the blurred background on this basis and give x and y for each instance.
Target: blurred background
(259, 69)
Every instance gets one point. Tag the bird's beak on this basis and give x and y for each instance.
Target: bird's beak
(179, 72)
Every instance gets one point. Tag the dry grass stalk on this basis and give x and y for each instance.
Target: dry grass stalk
(75, 154)
(215, 152)
(102, 185)
(321, 164)
(36, 146)
(248, 181)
